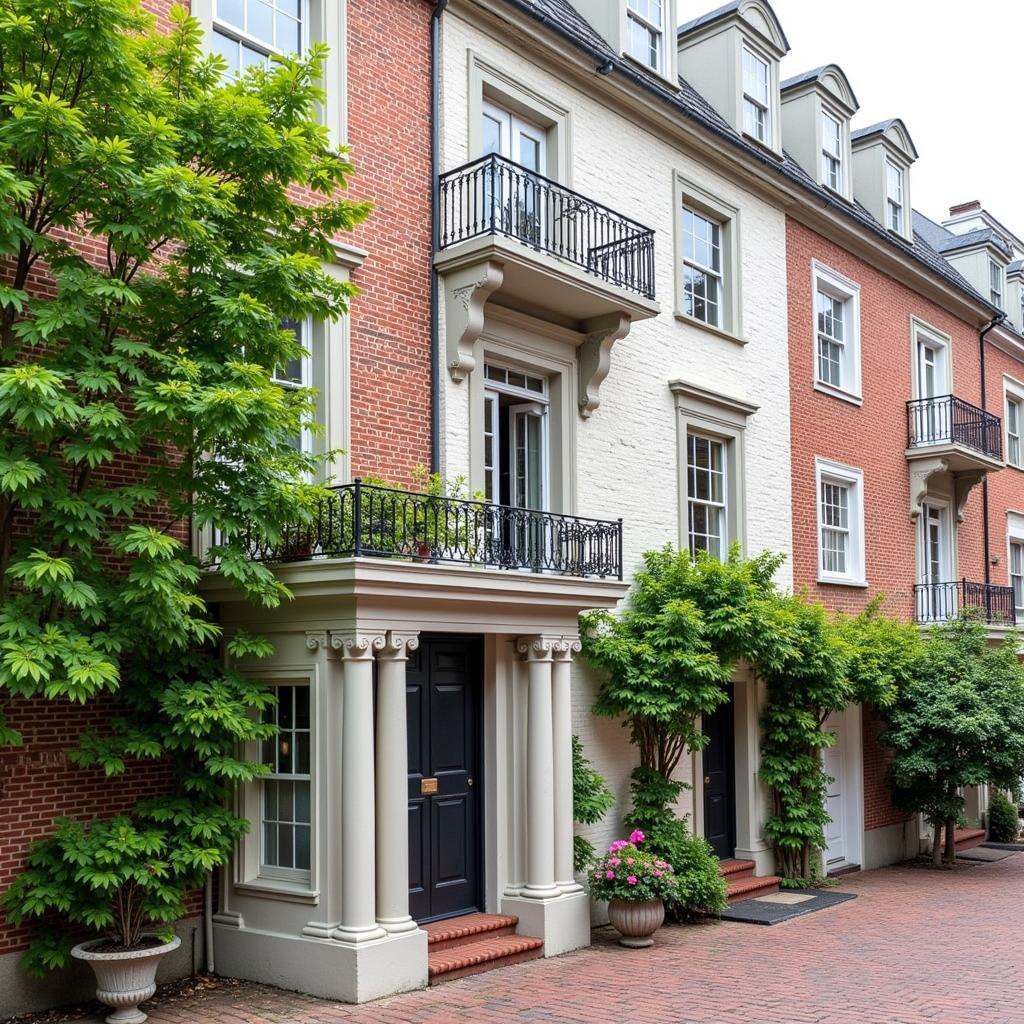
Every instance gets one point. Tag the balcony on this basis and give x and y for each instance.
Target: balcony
(365, 520)
(969, 438)
(940, 602)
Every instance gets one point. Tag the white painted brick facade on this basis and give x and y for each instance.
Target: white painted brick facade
(626, 457)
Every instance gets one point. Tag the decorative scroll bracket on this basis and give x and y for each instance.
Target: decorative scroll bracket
(595, 356)
(921, 471)
(466, 293)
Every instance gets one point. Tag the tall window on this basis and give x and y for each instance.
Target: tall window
(247, 32)
(294, 375)
(1013, 424)
(831, 152)
(286, 808)
(840, 524)
(1017, 575)
(644, 21)
(894, 195)
(515, 437)
(706, 491)
(757, 118)
(835, 527)
(836, 332)
(702, 267)
(995, 278)
(831, 339)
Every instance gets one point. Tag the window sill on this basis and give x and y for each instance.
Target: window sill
(839, 581)
(648, 70)
(834, 392)
(763, 146)
(721, 332)
(278, 889)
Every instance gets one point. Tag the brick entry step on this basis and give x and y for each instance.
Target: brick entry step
(474, 943)
(968, 838)
(743, 883)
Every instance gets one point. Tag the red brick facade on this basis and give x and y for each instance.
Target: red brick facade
(388, 84)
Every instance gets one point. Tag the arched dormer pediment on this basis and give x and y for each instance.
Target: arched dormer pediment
(893, 132)
(834, 81)
(762, 20)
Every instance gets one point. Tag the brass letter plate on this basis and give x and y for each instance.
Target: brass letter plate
(428, 786)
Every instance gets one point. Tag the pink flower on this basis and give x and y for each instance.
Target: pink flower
(617, 845)
(657, 874)
(629, 860)
(636, 836)
(631, 879)
(615, 862)
(609, 875)
(597, 874)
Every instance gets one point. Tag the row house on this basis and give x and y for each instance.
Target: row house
(624, 285)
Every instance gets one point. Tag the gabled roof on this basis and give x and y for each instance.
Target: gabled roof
(943, 240)
(832, 79)
(758, 14)
(893, 130)
(565, 21)
(1016, 267)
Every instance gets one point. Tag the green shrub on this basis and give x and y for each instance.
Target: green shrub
(1003, 822)
(591, 801)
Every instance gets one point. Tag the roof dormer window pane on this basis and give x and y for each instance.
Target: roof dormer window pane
(995, 276)
(756, 111)
(831, 152)
(894, 196)
(644, 22)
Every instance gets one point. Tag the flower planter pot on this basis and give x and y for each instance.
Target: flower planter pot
(123, 980)
(636, 921)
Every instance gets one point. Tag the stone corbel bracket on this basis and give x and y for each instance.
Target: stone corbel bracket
(466, 292)
(921, 471)
(595, 356)
(965, 483)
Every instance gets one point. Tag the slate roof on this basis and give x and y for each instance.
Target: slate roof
(943, 240)
(1016, 267)
(563, 19)
(808, 76)
(872, 129)
(706, 19)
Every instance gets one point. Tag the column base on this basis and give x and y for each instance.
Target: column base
(357, 936)
(562, 922)
(330, 970)
(397, 925)
(540, 892)
(568, 888)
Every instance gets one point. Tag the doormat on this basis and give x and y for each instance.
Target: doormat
(1012, 847)
(986, 853)
(784, 906)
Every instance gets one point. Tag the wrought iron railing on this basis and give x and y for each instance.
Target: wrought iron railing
(493, 195)
(940, 602)
(361, 519)
(951, 420)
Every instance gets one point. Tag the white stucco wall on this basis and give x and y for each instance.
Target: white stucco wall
(626, 453)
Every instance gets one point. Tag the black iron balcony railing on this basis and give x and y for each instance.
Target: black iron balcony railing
(951, 420)
(940, 602)
(361, 519)
(493, 195)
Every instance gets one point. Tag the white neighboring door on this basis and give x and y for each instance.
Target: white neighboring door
(934, 418)
(938, 602)
(514, 197)
(844, 795)
(835, 830)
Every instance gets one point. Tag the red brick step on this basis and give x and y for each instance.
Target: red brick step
(475, 943)
(968, 838)
(742, 883)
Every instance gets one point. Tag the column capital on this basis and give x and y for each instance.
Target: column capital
(357, 646)
(565, 648)
(538, 647)
(398, 644)
(316, 639)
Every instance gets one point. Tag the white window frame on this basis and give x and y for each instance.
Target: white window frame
(996, 283)
(828, 157)
(1013, 392)
(722, 506)
(1015, 572)
(896, 203)
(831, 282)
(764, 106)
(306, 379)
(240, 35)
(655, 30)
(827, 471)
(711, 275)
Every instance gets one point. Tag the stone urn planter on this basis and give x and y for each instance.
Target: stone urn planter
(124, 979)
(636, 921)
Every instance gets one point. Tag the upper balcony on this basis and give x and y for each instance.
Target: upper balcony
(560, 252)
(941, 602)
(965, 437)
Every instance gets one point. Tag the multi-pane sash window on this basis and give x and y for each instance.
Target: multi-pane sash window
(1017, 575)
(247, 32)
(894, 195)
(831, 152)
(706, 493)
(702, 267)
(1013, 417)
(285, 800)
(644, 21)
(294, 376)
(756, 109)
(831, 339)
(834, 512)
(995, 278)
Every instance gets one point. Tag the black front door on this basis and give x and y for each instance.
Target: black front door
(720, 780)
(443, 698)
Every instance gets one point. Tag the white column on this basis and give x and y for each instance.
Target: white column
(540, 797)
(358, 859)
(393, 784)
(561, 729)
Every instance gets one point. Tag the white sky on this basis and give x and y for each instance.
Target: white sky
(951, 70)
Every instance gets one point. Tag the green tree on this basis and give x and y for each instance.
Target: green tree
(958, 721)
(591, 801)
(151, 347)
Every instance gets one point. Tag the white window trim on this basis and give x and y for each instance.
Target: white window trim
(995, 265)
(659, 30)
(727, 486)
(902, 171)
(833, 283)
(840, 157)
(1014, 535)
(837, 472)
(1013, 389)
(769, 106)
(920, 331)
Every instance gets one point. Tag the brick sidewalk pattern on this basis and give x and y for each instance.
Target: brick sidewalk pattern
(916, 947)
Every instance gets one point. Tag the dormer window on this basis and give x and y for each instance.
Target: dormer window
(757, 118)
(995, 277)
(645, 36)
(894, 197)
(831, 152)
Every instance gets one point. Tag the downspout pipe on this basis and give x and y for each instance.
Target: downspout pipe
(994, 322)
(435, 234)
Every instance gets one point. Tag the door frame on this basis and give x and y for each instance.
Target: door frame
(698, 803)
(849, 724)
(473, 641)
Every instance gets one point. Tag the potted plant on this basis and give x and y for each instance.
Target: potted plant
(635, 884)
(125, 880)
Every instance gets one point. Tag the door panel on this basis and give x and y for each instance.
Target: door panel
(444, 825)
(718, 760)
(835, 830)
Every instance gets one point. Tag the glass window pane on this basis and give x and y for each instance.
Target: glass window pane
(229, 49)
(302, 802)
(261, 21)
(270, 800)
(285, 801)
(253, 58)
(302, 847)
(232, 12)
(302, 753)
(269, 843)
(287, 38)
(285, 848)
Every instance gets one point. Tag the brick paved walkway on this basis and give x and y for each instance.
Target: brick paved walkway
(916, 947)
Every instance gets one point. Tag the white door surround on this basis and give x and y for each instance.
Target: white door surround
(844, 799)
